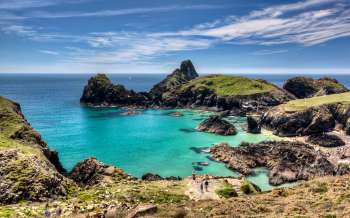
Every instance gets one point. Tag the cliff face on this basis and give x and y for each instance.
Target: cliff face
(304, 87)
(309, 116)
(28, 168)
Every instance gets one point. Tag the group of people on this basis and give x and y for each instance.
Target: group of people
(204, 184)
(47, 212)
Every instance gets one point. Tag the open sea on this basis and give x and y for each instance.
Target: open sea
(152, 141)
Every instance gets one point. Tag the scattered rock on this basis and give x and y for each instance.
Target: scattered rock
(304, 87)
(143, 210)
(253, 125)
(287, 161)
(215, 124)
(326, 140)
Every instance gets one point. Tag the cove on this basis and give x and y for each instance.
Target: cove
(149, 141)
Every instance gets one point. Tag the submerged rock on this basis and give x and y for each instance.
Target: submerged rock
(253, 125)
(326, 140)
(216, 125)
(287, 161)
(305, 87)
(92, 172)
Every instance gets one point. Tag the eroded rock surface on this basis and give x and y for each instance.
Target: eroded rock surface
(325, 140)
(305, 87)
(253, 124)
(287, 161)
(217, 125)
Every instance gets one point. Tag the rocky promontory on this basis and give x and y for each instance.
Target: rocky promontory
(309, 116)
(287, 161)
(305, 87)
(217, 125)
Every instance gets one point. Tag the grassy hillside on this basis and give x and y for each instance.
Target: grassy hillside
(301, 104)
(225, 85)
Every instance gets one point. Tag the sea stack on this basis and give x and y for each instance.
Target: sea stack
(216, 125)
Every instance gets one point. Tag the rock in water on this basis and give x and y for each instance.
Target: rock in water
(92, 171)
(253, 125)
(287, 161)
(215, 124)
(326, 140)
(100, 91)
(180, 76)
(304, 87)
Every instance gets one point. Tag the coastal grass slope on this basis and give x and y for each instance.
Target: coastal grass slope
(301, 104)
(227, 85)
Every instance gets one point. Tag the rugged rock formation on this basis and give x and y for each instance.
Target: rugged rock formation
(29, 170)
(215, 124)
(253, 125)
(325, 140)
(226, 93)
(304, 87)
(287, 161)
(92, 172)
(347, 126)
(156, 177)
(304, 122)
(180, 76)
(100, 91)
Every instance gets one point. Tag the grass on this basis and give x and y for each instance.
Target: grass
(224, 85)
(226, 191)
(302, 104)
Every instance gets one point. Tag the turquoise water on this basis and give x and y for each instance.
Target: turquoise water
(152, 141)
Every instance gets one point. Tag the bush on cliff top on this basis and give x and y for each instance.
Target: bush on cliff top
(226, 191)
(224, 85)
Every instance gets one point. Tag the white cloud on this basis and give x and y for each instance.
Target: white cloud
(269, 52)
(49, 52)
(21, 4)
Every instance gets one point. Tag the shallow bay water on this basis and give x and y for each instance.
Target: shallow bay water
(151, 141)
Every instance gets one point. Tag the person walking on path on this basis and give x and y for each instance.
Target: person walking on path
(206, 184)
(47, 212)
(194, 175)
(201, 187)
(58, 211)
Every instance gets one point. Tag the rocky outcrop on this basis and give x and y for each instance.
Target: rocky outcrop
(30, 177)
(100, 91)
(156, 177)
(217, 125)
(29, 170)
(253, 124)
(325, 140)
(92, 172)
(180, 76)
(306, 121)
(309, 121)
(347, 126)
(287, 161)
(304, 87)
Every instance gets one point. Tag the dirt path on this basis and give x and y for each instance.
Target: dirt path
(195, 193)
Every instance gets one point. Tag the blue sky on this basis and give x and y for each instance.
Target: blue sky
(142, 36)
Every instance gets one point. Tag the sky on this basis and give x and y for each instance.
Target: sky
(143, 36)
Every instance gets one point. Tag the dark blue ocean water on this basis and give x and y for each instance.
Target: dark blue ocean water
(150, 142)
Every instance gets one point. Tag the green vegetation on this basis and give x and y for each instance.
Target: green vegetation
(248, 187)
(224, 85)
(226, 191)
(6, 212)
(301, 104)
(320, 187)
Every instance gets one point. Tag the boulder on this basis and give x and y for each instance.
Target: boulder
(305, 87)
(325, 140)
(100, 91)
(92, 172)
(253, 124)
(287, 161)
(215, 124)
